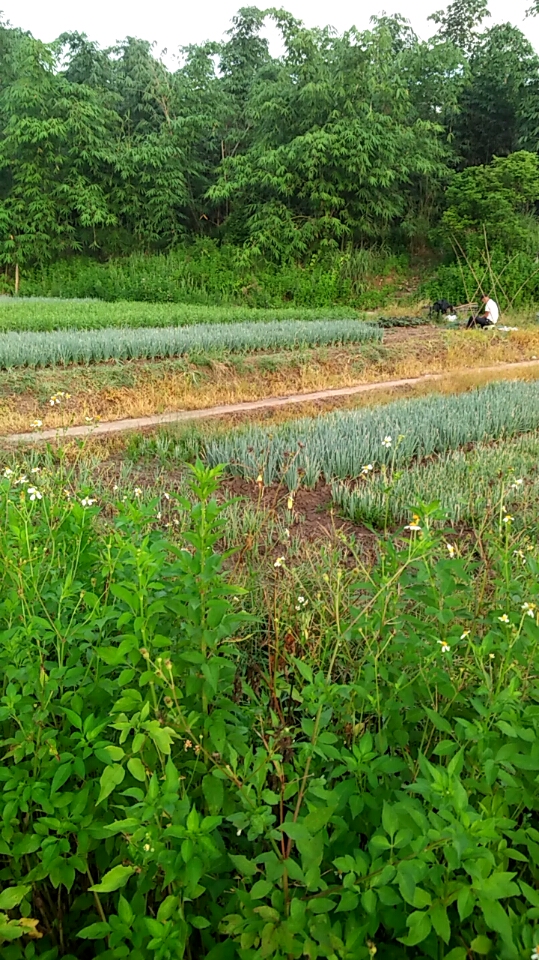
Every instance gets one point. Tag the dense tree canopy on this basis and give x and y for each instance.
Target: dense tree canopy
(339, 142)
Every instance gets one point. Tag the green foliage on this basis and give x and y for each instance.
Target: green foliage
(157, 805)
(499, 100)
(496, 200)
(48, 314)
(87, 346)
(205, 273)
(512, 280)
(244, 178)
(458, 24)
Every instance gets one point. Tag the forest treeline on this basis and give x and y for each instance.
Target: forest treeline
(366, 140)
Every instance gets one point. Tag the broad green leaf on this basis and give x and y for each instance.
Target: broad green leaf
(497, 919)
(497, 886)
(111, 778)
(390, 819)
(481, 945)
(136, 769)
(244, 866)
(114, 879)
(62, 774)
(296, 831)
(96, 931)
(12, 896)
(214, 793)
(261, 889)
(420, 927)
(440, 921)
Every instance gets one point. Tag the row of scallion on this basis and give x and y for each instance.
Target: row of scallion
(501, 479)
(37, 349)
(41, 313)
(340, 445)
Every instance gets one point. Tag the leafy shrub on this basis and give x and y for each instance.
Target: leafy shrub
(206, 273)
(157, 804)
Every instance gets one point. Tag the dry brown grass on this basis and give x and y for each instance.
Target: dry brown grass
(152, 388)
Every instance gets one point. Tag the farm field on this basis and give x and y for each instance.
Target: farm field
(153, 371)
(229, 648)
(269, 512)
(229, 652)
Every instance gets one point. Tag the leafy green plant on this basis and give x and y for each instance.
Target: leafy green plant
(157, 804)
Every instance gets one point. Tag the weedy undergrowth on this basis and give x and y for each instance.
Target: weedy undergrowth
(162, 799)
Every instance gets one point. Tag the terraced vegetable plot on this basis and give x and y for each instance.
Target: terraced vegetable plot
(30, 349)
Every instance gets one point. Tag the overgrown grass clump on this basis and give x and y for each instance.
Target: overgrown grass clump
(18, 313)
(341, 444)
(85, 346)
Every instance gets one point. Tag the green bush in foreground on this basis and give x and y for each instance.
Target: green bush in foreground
(156, 803)
(87, 346)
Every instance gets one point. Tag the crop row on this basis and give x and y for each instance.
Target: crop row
(49, 314)
(341, 444)
(87, 346)
(468, 484)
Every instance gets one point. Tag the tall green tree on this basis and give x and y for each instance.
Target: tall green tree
(338, 149)
(500, 97)
(460, 22)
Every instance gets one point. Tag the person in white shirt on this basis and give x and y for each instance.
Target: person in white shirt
(488, 318)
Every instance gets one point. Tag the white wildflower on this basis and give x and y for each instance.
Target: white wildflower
(7, 473)
(504, 618)
(386, 442)
(88, 502)
(445, 646)
(137, 491)
(280, 561)
(34, 493)
(36, 424)
(451, 549)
